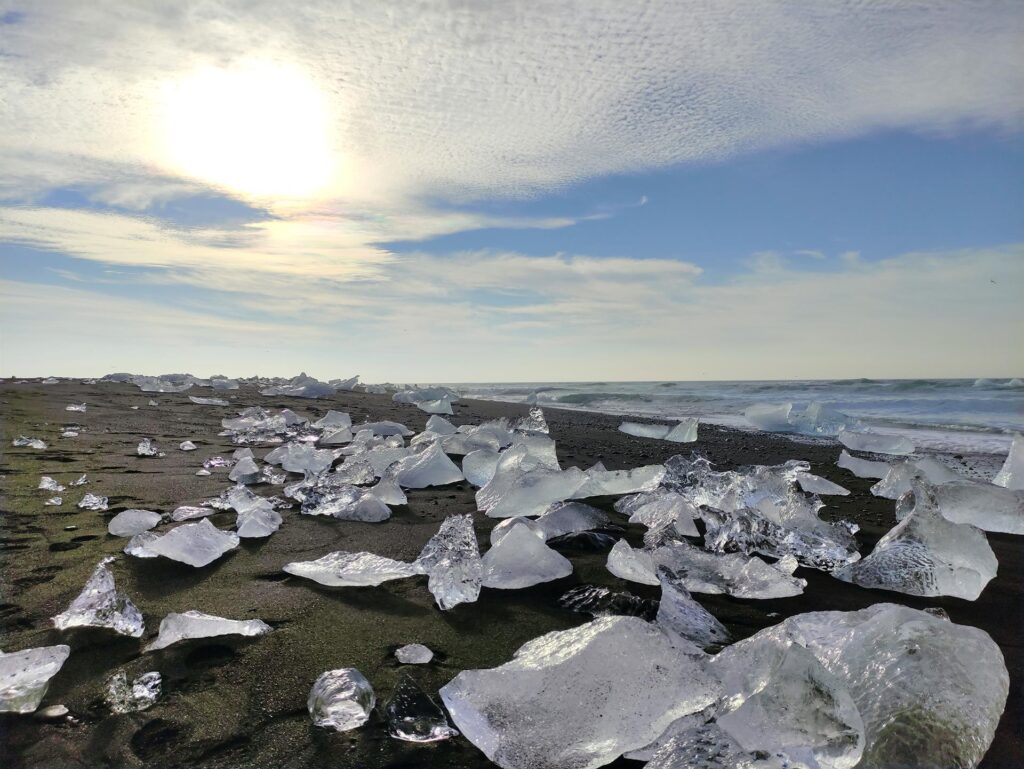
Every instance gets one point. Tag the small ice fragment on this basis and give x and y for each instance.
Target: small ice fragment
(25, 676)
(334, 419)
(680, 614)
(195, 624)
(137, 545)
(190, 513)
(246, 471)
(770, 417)
(534, 423)
(238, 454)
(68, 432)
(93, 502)
(208, 401)
(601, 482)
(152, 403)
(344, 569)
(128, 523)
(81, 407)
(452, 561)
(984, 505)
(440, 406)
(430, 467)
(684, 432)
(196, 544)
(346, 503)
(862, 468)
(216, 462)
(635, 565)
(341, 700)
(46, 483)
(815, 484)
(82, 480)
(412, 715)
(334, 436)
(100, 605)
(386, 428)
(897, 481)
(734, 574)
(256, 515)
(202, 472)
(187, 446)
(146, 448)
(32, 443)
(271, 476)
(124, 697)
(414, 654)
(54, 501)
(875, 443)
(521, 559)
(641, 430)
(300, 458)
(1011, 475)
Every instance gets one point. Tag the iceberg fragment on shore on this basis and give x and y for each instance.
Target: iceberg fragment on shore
(301, 386)
(816, 419)
(196, 544)
(521, 559)
(32, 443)
(246, 471)
(101, 605)
(1011, 474)
(414, 654)
(344, 569)
(346, 503)
(128, 523)
(862, 468)
(413, 716)
(680, 614)
(600, 482)
(451, 559)
(734, 574)
(46, 483)
(93, 502)
(683, 432)
(570, 518)
(147, 448)
(984, 505)
(431, 467)
(534, 423)
(25, 676)
(208, 401)
(633, 564)
(898, 480)
(123, 696)
(876, 443)
(188, 625)
(341, 699)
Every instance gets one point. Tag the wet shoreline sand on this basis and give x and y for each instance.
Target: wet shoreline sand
(231, 703)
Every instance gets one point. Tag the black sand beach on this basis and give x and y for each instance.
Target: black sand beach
(230, 703)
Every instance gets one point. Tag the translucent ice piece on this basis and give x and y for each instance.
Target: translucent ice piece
(54, 501)
(175, 628)
(335, 436)
(1011, 475)
(46, 483)
(534, 423)
(137, 545)
(680, 614)
(440, 425)
(346, 503)
(100, 605)
(479, 466)
(344, 569)
(711, 747)
(246, 471)
(124, 697)
(440, 406)
(386, 428)
(815, 484)
(569, 518)
(196, 544)
(190, 512)
(256, 515)
(333, 419)
(603, 482)
(521, 559)
(93, 502)
(301, 386)
(770, 417)
(579, 698)
(208, 401)
(80, 407)
(414, 654)
(733, 573)
(876, 443)
(506, 525)
(431, 467)
(32, 443)
(684, 432)
(641, 430)
(341, 700)
(658, 508)
(602, 602)
(187, 446)
(128, 523)
(528, 493)
(412, 716)
(147, 448)
(301, 458)
(25, 676)
(897, 481)
(452, 561)
(862, 468)
(984, 505)
(635, 565)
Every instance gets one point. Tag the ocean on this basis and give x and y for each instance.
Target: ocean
(940, 415)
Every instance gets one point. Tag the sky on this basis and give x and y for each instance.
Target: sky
(516, 191)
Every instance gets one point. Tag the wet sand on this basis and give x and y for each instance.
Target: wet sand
(233, 703)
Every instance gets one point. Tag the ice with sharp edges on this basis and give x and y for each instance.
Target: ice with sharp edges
(479, 466)
(54, 501)
(25, 676)
(412, 716)
(344, 569)
(641, 430)
(680, 614)
(137, 545)
(301, 386)
(147, 448)
(386, 428)
(440, 426)
(335, 436)
(925, 554)
(635, 565)
(190, 512)
(208, 401)
(528, 493)
(101, 605)
(817, 419)
(128, 523)
(684, 432)
(93, 502)
(246, 471)
(431, 467)
(579, 698)
(451, 559)
(195, 624)
(196, 544)
(506, 525)
(984, 505)
(301, 458)
(521, 559)
(734, 574)
(534, 423)
(414, 654)
(930, 692)
(815, 484)
(1011, 474)
(256, 515)
(346, 503)
(876, 443)
(123, 696)
(46, 483)
(600, 482)
(601, 602)
(770, 417)
(32, 443)
(658, 508)
(440, 406)
(708, 746)
(570, 518)
(862, 468)
(334, 419)
(341, 699)
(897, 481)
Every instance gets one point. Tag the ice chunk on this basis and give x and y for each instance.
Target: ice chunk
(412, 716)
(452, 561)
(81, 407)
(223, 383)
(70, 432)
(335, 436)
(925, 554)
(196, 544)
(128, 523)
(440, 406)
(815, 484)
(659, 508)
(431, 467)
(175, 628)
(601, 482)
(346, 385)
(635, 565)
(381, 458)
(344, 569)
(124, 697)
(100, 605)
(521, 559)
(190, 513)
(579, 698)
(817, 419)
(984, 505)
(1011, 475)
(388, 491)
(684, 432)
(25, 676)
(301, 458)
(301, 386)
(479, 466)
(734, 574)
(534, 423)
(93, 502)
(414, 654)
(137, 545)
(54, 501)
(208, 401)
(246, 471)
(770, 417)
(506, 525)
(641, 430)
(82, 480)
(341, 700)
(528, 493)
(347, 503)
(876, 443)
(386, 428)
(862, 468)
(333, 419)
(897, 481)
(602, 602)
(256, 515)
(32, 443)
(187, 446)
(569, 518)
(440, 426)
(147, 448)
(46, 483)
(680, 614)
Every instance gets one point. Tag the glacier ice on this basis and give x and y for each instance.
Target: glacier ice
(414, 654)
(816, 419)
(680, 614)
(506, 525)
(734, 574)
(80, 407)
(93, 502)
(196, 544)
(601, 602)
(1011, 474)
(440, 406)
(386, 428)
(815, 484)
(46, 483)
(925, 554)
(451, 559)
(128, 523)
(123, 696)
(479, 466)
(683, 432)
(187, 446)
(659, 508)
(54, 501)
(897, 481)
(876, 443)
(635, 565)
(569, 518)
(147, 448)
(245, 471)
(346, 503)
(862, 468)
(256, 515)
(335, 436)
(32, 443)
(208, 401)
(301, 458)
(25, 676)
(527, 493)
(600, 482)
(301, 386)
(344, 569)
(411, 714)
(81, 481)
(190, 512)
(984, 505)
(579, 698)
(137, 545)
(521, 559)
(101, 605)
(341, 699)
(195, 624)
(431, 467)
(534, 423)
(440, 426)
(770, 417)
(334, 419)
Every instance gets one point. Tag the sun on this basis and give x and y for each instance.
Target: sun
(262, 130)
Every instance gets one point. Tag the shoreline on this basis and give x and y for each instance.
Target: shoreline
(230, 703)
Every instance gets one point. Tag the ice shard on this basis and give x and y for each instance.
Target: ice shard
(876, 443)
(770, 417)
(208, 401)
(634, 565)
(708, 746)
(335, 436)
(579, 698)
(734, 574)
(506, 525)
(1011, 474)
(333, 419)
(54, 501)
(569, 518)
(815, 484)
(521, 559)
(414, 654)
(341, 699)
(601, 602)
(123, 696)
(680, 614)
(93, 502)
(80, 407)
(246, 471)
(196, 544)
(101, 605)
(440, 426)
(925, 554)
(658, 508)
(412, 716)
(386, 428)
(431, 467)
(440, 406)
(25, 676)
(684, 432)
(128, 523)
(175, 628)
(346, 503)
(984, 505)
(534, 423)
(897, 481)
(301, 386)
(190, 512)
(451, 559)
(601, 482)
(256, 515)
(862, 468)
(301, 458)
(344, 569)
(147, 448)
